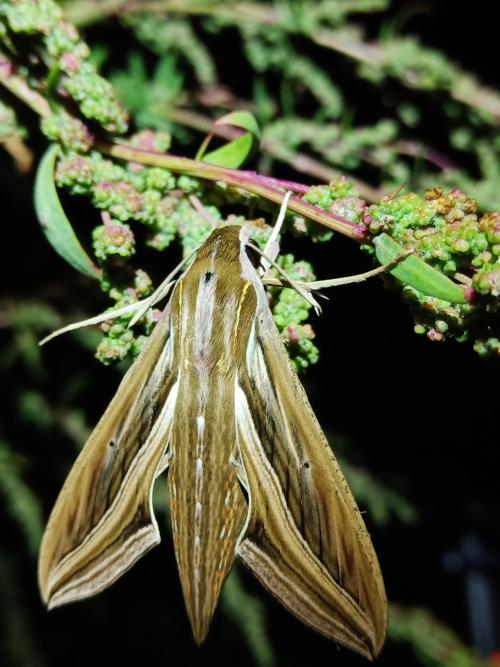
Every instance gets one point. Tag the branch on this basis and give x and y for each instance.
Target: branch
(242, 180)
(247, 181)
(301, 162)
(466, 90)
(18, 87)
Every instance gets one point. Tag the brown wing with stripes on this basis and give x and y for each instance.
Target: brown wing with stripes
(102, 522)
(306, 540)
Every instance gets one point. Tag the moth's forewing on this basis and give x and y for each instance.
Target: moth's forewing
(306, 540)
(102, 522)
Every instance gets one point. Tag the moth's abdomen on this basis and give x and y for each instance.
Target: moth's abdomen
(208, 507)
(213, 309)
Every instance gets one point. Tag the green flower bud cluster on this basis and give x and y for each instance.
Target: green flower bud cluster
(395, 215)
(487, 278)
(113, 238)
(147, 140)
(121, 199)
(31, 16)
(164, 221)
(94, 95)
(299, 339)
(193, 227)
(290, 310)
(143, 284)
(438, 319)
(68, 57)
(487, 347)
(258, 229)
(338, 197)
(189, 185)
(445, 230)
(67, 130)
(118, 340)
(64, 42)
(76, 173)
(131, 193)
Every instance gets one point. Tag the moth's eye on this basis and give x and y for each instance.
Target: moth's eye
(252, 255)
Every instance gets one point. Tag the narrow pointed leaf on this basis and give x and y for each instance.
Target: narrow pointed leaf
(243, 119)
(415, 272)
(233, 154)
(56, 226)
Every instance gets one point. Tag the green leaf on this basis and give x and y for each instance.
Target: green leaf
(233, 154)
(56, 226)
(20, 500)
(415, 272)
(243, 119)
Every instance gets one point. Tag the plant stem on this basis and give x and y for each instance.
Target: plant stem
(86, 12)
(246, 181)
(18, 87)
(468, 91)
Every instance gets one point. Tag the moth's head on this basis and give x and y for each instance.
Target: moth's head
(227, 235)
(229, 240)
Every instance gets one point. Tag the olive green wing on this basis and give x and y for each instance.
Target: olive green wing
(305, 539)
(103, 522)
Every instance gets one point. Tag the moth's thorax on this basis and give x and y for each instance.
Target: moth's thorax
(213, 307)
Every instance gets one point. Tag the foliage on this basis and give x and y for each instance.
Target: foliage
(434, 643)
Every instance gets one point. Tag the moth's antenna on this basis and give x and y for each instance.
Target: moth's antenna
(272, 247)
(140, 307)
(345, 280)
(289, 281)
(162, 290)
(97, 319)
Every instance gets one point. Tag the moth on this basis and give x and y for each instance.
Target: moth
(214, 399)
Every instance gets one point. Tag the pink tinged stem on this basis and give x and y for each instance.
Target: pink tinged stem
(240, 179)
